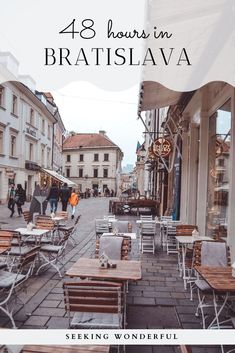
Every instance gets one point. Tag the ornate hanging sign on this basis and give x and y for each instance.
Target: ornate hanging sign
(162, 147)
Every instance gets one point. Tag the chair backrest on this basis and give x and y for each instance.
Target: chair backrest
(166, 218)
(123, 226)
(101, 226)
(211, 255)
(16, 236)
(28, 260)
(27, 216)
(63, 214)
(146, 218)
(63, 241)
(45, 222)
(77, 219)
(185, 229)
(148, 227)
(92, 296)
(125, 249)
(5, 240)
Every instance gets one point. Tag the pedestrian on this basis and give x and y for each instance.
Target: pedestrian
(11, 199)
(20, 198)
(53, 197)
(112, 193)
(65, 194)
(73, 201)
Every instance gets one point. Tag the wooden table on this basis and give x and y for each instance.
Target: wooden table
(184, 241)
(125, 270)
(36, 233)
(221, 282)
(65, 349)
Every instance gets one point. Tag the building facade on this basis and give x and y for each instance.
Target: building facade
(26, 137)
(199, 172)
(92, 161)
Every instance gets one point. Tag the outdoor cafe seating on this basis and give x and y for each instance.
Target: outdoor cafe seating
(95, 304)
(12, 280)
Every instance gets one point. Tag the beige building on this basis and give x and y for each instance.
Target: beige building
(26, 137)
(92, 161)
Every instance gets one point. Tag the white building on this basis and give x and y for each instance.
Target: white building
(92, 161)
(26, 137)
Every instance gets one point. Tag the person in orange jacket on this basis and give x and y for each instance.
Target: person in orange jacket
(73, 201)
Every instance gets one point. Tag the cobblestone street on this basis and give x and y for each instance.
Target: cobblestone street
(160, 292)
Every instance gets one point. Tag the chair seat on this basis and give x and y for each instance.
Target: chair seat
(50, 248)
(8, 278)
(203, 285)
(17, 251)
(65, 228)
(3, 265)
(95, 320)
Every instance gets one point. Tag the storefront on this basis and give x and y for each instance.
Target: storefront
(202, 182)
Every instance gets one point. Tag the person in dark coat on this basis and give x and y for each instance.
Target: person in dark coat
(65, 194)
(20, 198)
(53, 197)
(11, 199)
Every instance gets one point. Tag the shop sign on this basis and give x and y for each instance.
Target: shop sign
(162, 147)
(32, 166)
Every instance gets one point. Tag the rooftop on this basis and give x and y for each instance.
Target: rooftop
(79, 140)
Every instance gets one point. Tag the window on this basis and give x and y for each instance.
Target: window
(49, 132)
(13, 146)
(48, 158)
(2, 89)
(43, 126)
(81, 158)
(80, 173)
(31, 152)
(95, 173)
(96, 157)
(14, 105)
(68, 172)
(106, 157)
(68, 158)
(105, 173)
(43, 156)
(1, 141)
(219, 163)
(31, 117)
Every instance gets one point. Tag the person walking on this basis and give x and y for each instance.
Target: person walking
(11, 199)
(73, 201)
(20, 198)
(53, 197)
(65, 194)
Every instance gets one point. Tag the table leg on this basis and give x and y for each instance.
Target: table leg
(184, 249)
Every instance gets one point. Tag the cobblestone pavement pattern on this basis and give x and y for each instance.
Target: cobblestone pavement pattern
(160, 286)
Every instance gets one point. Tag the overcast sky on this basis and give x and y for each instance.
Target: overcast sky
(86, 108)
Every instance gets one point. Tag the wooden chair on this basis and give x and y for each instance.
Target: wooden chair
(53, 255)
(5, 241)
(63, 214)
(72, 229)
(96, 304)
(203, 289)
(185, 230)
(124, 250)
(27, 216)
(10, 281)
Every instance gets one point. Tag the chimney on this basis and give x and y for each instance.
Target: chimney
(102, 132)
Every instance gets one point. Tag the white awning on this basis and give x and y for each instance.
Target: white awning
(155, 96)
(59, 177)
